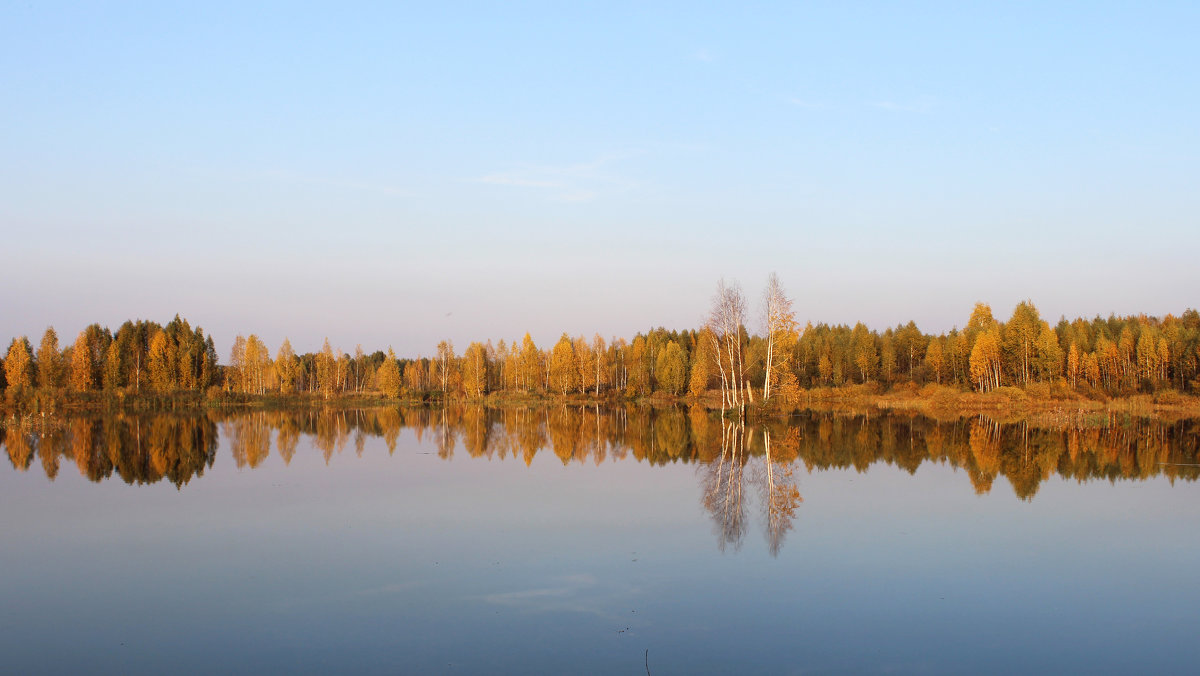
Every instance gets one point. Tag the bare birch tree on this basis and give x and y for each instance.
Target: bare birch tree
(725, 322)
(780, 325)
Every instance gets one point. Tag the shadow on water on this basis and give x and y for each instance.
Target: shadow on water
(742, 468)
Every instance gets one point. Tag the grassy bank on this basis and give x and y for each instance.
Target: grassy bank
(1048, 405)
(1043, 403)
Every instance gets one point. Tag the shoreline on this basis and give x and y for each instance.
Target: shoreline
(1062, 408)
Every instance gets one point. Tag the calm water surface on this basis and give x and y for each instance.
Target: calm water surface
(574, 541)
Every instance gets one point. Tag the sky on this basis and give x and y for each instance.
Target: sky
(402, 173)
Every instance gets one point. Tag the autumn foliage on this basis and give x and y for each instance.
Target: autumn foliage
(728, 361)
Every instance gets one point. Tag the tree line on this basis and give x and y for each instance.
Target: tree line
(729, 356)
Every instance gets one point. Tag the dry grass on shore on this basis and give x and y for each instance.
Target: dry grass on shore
(1044, 403)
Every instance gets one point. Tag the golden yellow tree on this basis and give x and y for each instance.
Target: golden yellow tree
(388, 376)
(640, 366)
(257, 363)
(113, 371)
(1164, 358)
(159, 362)
(866, 358)
(414, 376)
(18, 365)
(1048, 355)
(1090, 367)
(703, 364)
(49, 361)
(958, 354)
(825, 368)
(584, 363)
(326, 369)
(1126, 364)
(1019, 340)
(1073, 365)
(671, 368)
(564, 374)
(81, 378)
(887, 357)
(935, 358)
(600, 357)
(287, 367)
(342, 368)
(446, 363)
(475, 370)
(1147, 354)
(981, 320)
(985, 360)
(235, 374)
(530, 365)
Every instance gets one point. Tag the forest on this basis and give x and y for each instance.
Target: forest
(729, 361)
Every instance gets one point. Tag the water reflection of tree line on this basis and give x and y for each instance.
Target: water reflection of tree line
(139, 449)
(146, 449)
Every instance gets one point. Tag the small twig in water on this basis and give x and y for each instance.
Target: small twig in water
(647, 662)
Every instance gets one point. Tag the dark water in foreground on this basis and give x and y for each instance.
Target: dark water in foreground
(574, 540)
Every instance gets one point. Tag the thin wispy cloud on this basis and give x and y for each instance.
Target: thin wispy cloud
(580, 182)
(703, 55)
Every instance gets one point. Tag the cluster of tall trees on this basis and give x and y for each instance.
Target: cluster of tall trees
(1117, 355)
(141, 356)
(743, 361)
(252, 370)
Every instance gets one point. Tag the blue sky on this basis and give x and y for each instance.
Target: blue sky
(401, 173)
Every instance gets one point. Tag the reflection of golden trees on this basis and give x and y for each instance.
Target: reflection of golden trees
(86, 451)
(446, 431)
(985, 451)
(562, 424)
(390, 423)
(780, 497)
(722, 487)
(20, 450)
(139, 449)
(249, 438)
(145, 449)
(51, 447)
(330, 429)
(287, 438)
(724, 490)
(526, 429)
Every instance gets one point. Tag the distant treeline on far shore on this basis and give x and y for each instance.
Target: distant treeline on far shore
(725, 358)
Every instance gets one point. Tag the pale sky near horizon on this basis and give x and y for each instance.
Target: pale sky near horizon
(398, 173)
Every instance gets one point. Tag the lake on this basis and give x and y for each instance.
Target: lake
(590, 540)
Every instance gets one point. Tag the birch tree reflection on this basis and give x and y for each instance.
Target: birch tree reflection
(722, 483)
(780, 496)
(724, 491)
